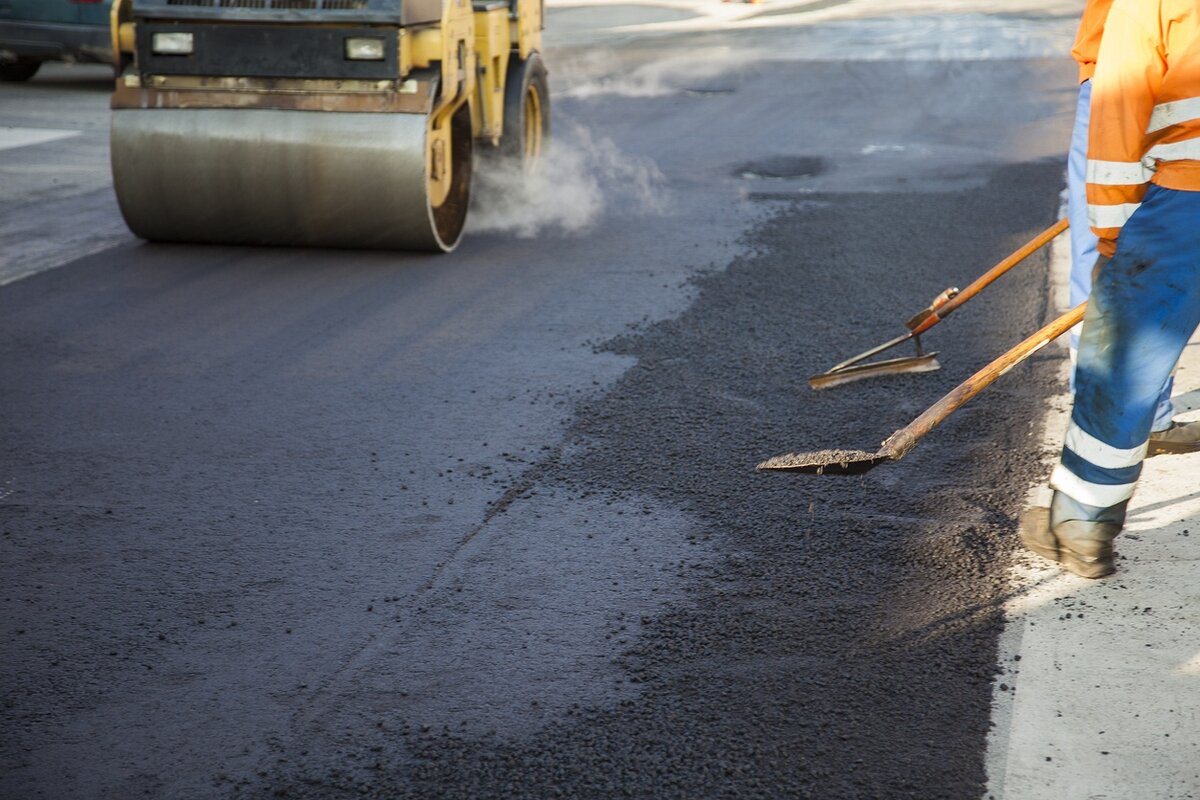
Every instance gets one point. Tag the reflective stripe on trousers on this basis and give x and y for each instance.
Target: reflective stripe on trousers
(1141, 312)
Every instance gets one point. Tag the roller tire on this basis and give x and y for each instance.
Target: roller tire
(262, 177)
(19, 70)
(526, 111)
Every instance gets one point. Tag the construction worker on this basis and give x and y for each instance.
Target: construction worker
(1143, 192)
(1166, 435)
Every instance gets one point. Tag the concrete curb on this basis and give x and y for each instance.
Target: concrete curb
(1100, 691)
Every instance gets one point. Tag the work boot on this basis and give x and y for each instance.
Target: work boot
(1083, 546)
(1179, 438)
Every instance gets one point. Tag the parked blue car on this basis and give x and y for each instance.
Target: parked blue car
(33, 31)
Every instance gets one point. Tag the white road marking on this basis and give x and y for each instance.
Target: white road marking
(51, 233)
(24, 137)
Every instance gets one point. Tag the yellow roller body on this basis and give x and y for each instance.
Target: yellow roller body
(282, 177)
(324, 123)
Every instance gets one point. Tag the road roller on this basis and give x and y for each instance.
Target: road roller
(323, 123)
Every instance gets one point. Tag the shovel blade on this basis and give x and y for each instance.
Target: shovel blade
(826, 462)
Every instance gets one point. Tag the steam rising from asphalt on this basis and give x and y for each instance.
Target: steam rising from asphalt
(578, 179)
(711, 69)
(957, 32)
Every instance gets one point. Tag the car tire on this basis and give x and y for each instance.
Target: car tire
(22, 69)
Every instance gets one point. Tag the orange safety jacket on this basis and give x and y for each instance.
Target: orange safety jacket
(1087, 40)
(1145, 118)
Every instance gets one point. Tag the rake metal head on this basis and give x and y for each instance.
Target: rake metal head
(893, 366)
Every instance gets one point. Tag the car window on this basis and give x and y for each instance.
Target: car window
(94, 12)
(39, 10)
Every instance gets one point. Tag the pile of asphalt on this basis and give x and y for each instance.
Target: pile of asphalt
(844, 640)
(818, 460)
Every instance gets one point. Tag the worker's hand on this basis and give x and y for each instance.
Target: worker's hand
(1101, 263)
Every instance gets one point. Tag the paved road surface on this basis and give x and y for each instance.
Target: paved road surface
(322, 524)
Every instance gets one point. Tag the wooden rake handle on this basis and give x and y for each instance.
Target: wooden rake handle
(936, 313)
(905, 439)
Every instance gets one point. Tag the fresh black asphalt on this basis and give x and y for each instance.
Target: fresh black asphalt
(320, 525)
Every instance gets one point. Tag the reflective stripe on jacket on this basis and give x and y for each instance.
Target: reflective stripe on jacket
(1145, 124)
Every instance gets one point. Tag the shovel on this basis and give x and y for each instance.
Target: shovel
(855, 462)
(853, 369)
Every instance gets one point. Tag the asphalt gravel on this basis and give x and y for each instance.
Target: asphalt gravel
(838, 635)
(322, 524)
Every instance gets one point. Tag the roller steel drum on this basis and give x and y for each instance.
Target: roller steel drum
(281, 177)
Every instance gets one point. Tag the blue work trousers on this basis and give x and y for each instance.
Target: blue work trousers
(1083, 241)
(1144, 307)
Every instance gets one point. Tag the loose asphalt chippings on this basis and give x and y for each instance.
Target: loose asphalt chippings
(819, 459)
(841, 641)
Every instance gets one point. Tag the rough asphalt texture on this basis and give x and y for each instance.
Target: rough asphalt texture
(300, 524)
(843, 642)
